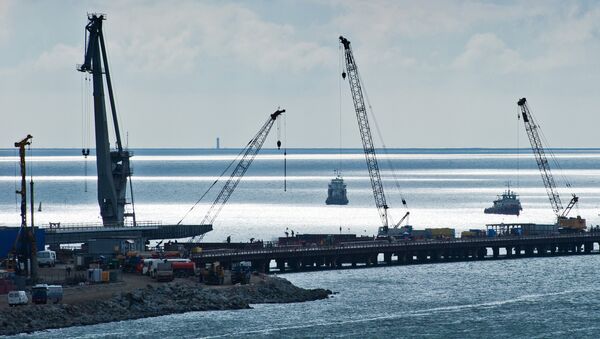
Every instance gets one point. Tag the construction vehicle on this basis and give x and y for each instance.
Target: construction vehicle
(247, 156)
(241, 272)
(214, 274)
(356, 88)
(183, 269)
(249, 153)
(566, 224)
(164, 271)
(112, 165)
(24, 250)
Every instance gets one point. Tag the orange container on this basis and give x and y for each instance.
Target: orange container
(105, 276)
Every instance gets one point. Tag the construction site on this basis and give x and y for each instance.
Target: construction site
(122, 254)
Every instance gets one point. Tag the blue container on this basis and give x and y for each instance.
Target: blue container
(8, 235)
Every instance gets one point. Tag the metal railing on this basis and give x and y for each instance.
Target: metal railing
(87, 226)
(379, 244)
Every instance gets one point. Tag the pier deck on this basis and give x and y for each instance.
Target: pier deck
(69, 234)
(299, 258)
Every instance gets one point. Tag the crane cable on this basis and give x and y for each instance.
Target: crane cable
(548, 150)
(285, 153)
(385, 150)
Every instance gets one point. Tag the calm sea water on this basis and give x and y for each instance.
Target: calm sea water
(549, 297)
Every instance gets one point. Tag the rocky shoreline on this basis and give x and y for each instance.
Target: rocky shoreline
(153, 301)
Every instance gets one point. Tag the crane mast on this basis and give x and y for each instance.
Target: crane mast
(542, 161)
(112, 166)
(365, 131)
(540, 156)
(252, 148)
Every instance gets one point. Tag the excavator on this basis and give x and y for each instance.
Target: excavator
(565, 224)
(356, 89)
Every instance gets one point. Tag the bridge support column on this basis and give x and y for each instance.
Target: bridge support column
(495, 252)
(529, 251)
(281, 265)
(481, 253)
(387, 257)
(509, 252)
(588, 247)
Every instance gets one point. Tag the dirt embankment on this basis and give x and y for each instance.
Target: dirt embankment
(154, 300)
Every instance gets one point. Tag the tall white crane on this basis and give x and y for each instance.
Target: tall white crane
(366, 137)
(544, 166)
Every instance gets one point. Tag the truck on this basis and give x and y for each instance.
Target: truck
(241, 272)
(46, 258)
(214, 274)
(183, 269)
(16, 298)
(43, 293)
(164, 271)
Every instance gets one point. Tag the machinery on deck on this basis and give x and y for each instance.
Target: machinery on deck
(565, 223)
(112, 165)
(24, 249)
(367, 139)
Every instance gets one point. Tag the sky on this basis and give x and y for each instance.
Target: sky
(437, 73)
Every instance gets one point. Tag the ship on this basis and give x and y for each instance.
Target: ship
(507, 203)
(336, 193)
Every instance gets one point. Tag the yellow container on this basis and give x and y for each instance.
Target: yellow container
(105, 276)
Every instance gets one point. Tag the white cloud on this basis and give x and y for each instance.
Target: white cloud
(488, 51)
(60, 57)
(184, 33)
(4, 19)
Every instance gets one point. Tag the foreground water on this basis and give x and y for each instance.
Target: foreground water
(525, 298)
(545, 297)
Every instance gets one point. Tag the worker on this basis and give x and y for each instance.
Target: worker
(292, 233)
(229, 239)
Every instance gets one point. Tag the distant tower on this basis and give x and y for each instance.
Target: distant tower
(218, 143)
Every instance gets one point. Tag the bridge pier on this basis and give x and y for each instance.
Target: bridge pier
(481, 253)
(495, 252)
(529, 251)
(387, 257)
(281, 265)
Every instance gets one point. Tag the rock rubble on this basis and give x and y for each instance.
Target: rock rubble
(152, 301)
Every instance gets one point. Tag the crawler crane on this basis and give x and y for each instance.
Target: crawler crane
(367, 139)
(565, 223)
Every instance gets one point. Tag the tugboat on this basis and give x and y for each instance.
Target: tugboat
(507, 203)
(336, 194)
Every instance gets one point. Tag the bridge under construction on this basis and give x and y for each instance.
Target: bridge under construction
(373, 253)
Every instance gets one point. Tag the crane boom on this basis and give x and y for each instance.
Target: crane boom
(542, 161)
(252, 148)
(540, 156)
(113, 166)
(365, 131)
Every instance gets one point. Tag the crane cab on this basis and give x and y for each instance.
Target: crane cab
(571, 224)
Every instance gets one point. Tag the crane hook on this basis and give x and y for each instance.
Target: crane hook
(278, 144)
